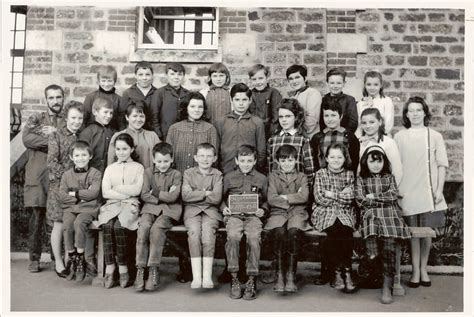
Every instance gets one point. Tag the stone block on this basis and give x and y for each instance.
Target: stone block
(422, 72)
(69, 24)
(456, 17)
(452, 74)
(346, 19)
(98, 14)
(294, 58)
(443, 61)
(279, 16)
(451, 134)
(275, 28)
(94, 25)
(459, 61)
(313, 59)
(313, 28)
(348, 43)
(368, 16)
(461, 30)
(452, 110)
(376, 48)
(294, 28)
(457, 122)
(287, 38)
(448, 97)
(400, 48)
(336, 61)
(414, 38)
(237, 19)
(399, 28)
(253, 16)
(78, 57)
(459, 86)
(310, 17)
(395, 60)
(456, 49)
(275, 58)
(278, 71)
(365, 28)
(369, 60)
(426, 85)
(417, 60)
(432, 49)
(446, 39)
(412, 17)
(299, 46)
(258, 27)
(283, 47)
(436, 17)
(435, 28)
(236, 30)
(65, 14)
(228, 13)
(83, 14)
(318, 47)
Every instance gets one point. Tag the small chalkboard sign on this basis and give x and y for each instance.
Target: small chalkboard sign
(245, 204)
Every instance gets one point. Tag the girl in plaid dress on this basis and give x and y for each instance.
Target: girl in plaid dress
(333, 213)
(290, 131)
(376, 194)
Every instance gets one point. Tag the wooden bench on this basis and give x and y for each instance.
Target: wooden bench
(398, 290)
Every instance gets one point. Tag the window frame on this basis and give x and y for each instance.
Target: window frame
(155, 46)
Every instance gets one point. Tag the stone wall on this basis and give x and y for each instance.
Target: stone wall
(419, 52)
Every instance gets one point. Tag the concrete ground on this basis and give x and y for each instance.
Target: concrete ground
(44, 291)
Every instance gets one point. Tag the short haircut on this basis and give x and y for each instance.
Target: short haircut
(245, 150)
(136, 104)
(302, 69)
(100, 103)
(143, 65)
(415, 99)
(73, 105)
(107, 71)
(336, 72)
(53, 87)
(294, 106)
(218, 68)
(240, 87)
(286, 151)
(345, 152)
(205, 146)
(80, 145)
(373, 74)
(377, 155)
(331, 104)
(184, 103)
(258, 67)
(177, 67)
(163, 148)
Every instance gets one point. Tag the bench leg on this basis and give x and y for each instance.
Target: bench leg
(398, 289)
(99, 279)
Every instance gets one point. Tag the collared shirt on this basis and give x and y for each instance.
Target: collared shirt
(304, 158)
(253, 182)
(350, 118)
(151, 109)
(264, 105)
(323, 139)
(233, 131)
(193, 192)
(158, 183)
(184, 136)
(217, 101)
(168, 102)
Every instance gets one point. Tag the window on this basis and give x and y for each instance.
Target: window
(178, 27)
(17, 27)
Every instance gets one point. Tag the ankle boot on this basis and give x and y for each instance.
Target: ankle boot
(153, 279)
(184, 274)
(280, 281)
(337, 282)
(350, 287)
(387, 290)
(290, 285)
(80, 267)
(207, 272)
(139, 283)
(196, 267)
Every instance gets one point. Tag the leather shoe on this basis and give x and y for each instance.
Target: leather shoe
(411, 284)
(109, 281)
(124, 279)
(63, 274)
(425, 283)
(34, 267)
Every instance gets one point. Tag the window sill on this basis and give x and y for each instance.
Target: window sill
(176, 55)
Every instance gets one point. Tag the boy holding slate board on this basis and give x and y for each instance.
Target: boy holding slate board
(244, 203)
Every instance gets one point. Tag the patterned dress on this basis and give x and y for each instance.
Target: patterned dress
(381, 216)
(184, 136)
(304, 159)
(58, 161)
(217, 101)
(327, 210)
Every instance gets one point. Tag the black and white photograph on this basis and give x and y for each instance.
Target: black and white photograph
(228, 157)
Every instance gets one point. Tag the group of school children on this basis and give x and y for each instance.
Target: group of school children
(179, 154)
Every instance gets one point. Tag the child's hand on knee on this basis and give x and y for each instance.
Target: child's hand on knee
(260, 212)
(226, 211)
